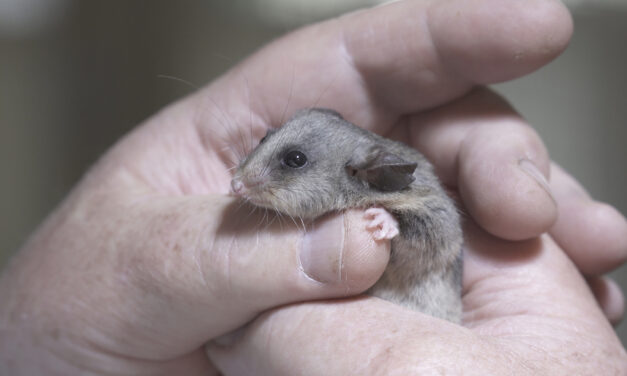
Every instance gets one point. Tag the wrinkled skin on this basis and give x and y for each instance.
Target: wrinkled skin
(148, 259)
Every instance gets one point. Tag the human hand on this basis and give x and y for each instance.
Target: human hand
(147, 259)
(527, 308)
(527, 311)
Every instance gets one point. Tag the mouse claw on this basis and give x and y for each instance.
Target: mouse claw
(382, 224)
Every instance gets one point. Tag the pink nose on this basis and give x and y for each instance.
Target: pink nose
(237, 187)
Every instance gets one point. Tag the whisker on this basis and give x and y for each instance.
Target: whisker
(228, 125)
(303, 223)
(173, 78)
(280, 217)
(250, 112)
(230, 157)
(274, 218)
(293, 220)
(289, 97)
(316, 103)
(241, 203)
(254, 207)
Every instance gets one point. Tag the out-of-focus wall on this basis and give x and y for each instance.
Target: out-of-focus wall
(85, 72)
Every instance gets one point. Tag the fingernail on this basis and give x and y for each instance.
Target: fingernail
(530, 169)
(321, 255)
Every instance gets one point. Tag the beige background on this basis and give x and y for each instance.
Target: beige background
(75, 75)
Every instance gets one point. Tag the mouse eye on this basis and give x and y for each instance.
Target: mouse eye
(295, 159)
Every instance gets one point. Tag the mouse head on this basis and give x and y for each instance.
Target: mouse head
(318, 162)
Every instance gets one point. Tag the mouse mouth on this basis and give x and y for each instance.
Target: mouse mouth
(258, 201)
(252, 191)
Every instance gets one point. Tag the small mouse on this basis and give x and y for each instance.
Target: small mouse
(318, 162)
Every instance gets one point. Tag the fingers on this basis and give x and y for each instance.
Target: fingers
(498, 163)
(496, 41)
(517, 281)
(522, 300)
(610, 298)
(502, 277)
(520, 290)
(593, 234)
(203, 265)
(403, 57)
(425, 53)
(366, 336)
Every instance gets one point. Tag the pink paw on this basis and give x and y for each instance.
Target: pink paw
(382, 224)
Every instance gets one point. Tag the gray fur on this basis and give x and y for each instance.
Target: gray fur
(424, 272)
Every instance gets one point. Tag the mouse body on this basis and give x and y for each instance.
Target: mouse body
(318, 162)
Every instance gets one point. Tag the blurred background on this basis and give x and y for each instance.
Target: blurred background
(75, 75)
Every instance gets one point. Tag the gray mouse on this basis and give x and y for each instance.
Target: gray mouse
(317, 163)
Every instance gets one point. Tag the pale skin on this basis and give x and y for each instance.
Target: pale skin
(148, 258)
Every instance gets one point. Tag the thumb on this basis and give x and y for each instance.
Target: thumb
(212, 264)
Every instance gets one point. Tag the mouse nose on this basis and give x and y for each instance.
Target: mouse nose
(245, 185)
(237, 187)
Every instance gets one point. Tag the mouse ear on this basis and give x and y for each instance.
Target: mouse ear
(381, 169)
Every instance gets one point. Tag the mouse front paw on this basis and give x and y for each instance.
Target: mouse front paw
(382, 224)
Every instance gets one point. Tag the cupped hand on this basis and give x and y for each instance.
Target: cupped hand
(148, 259)
(527, 311)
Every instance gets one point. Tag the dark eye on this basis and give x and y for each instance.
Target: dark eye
(295, 159)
